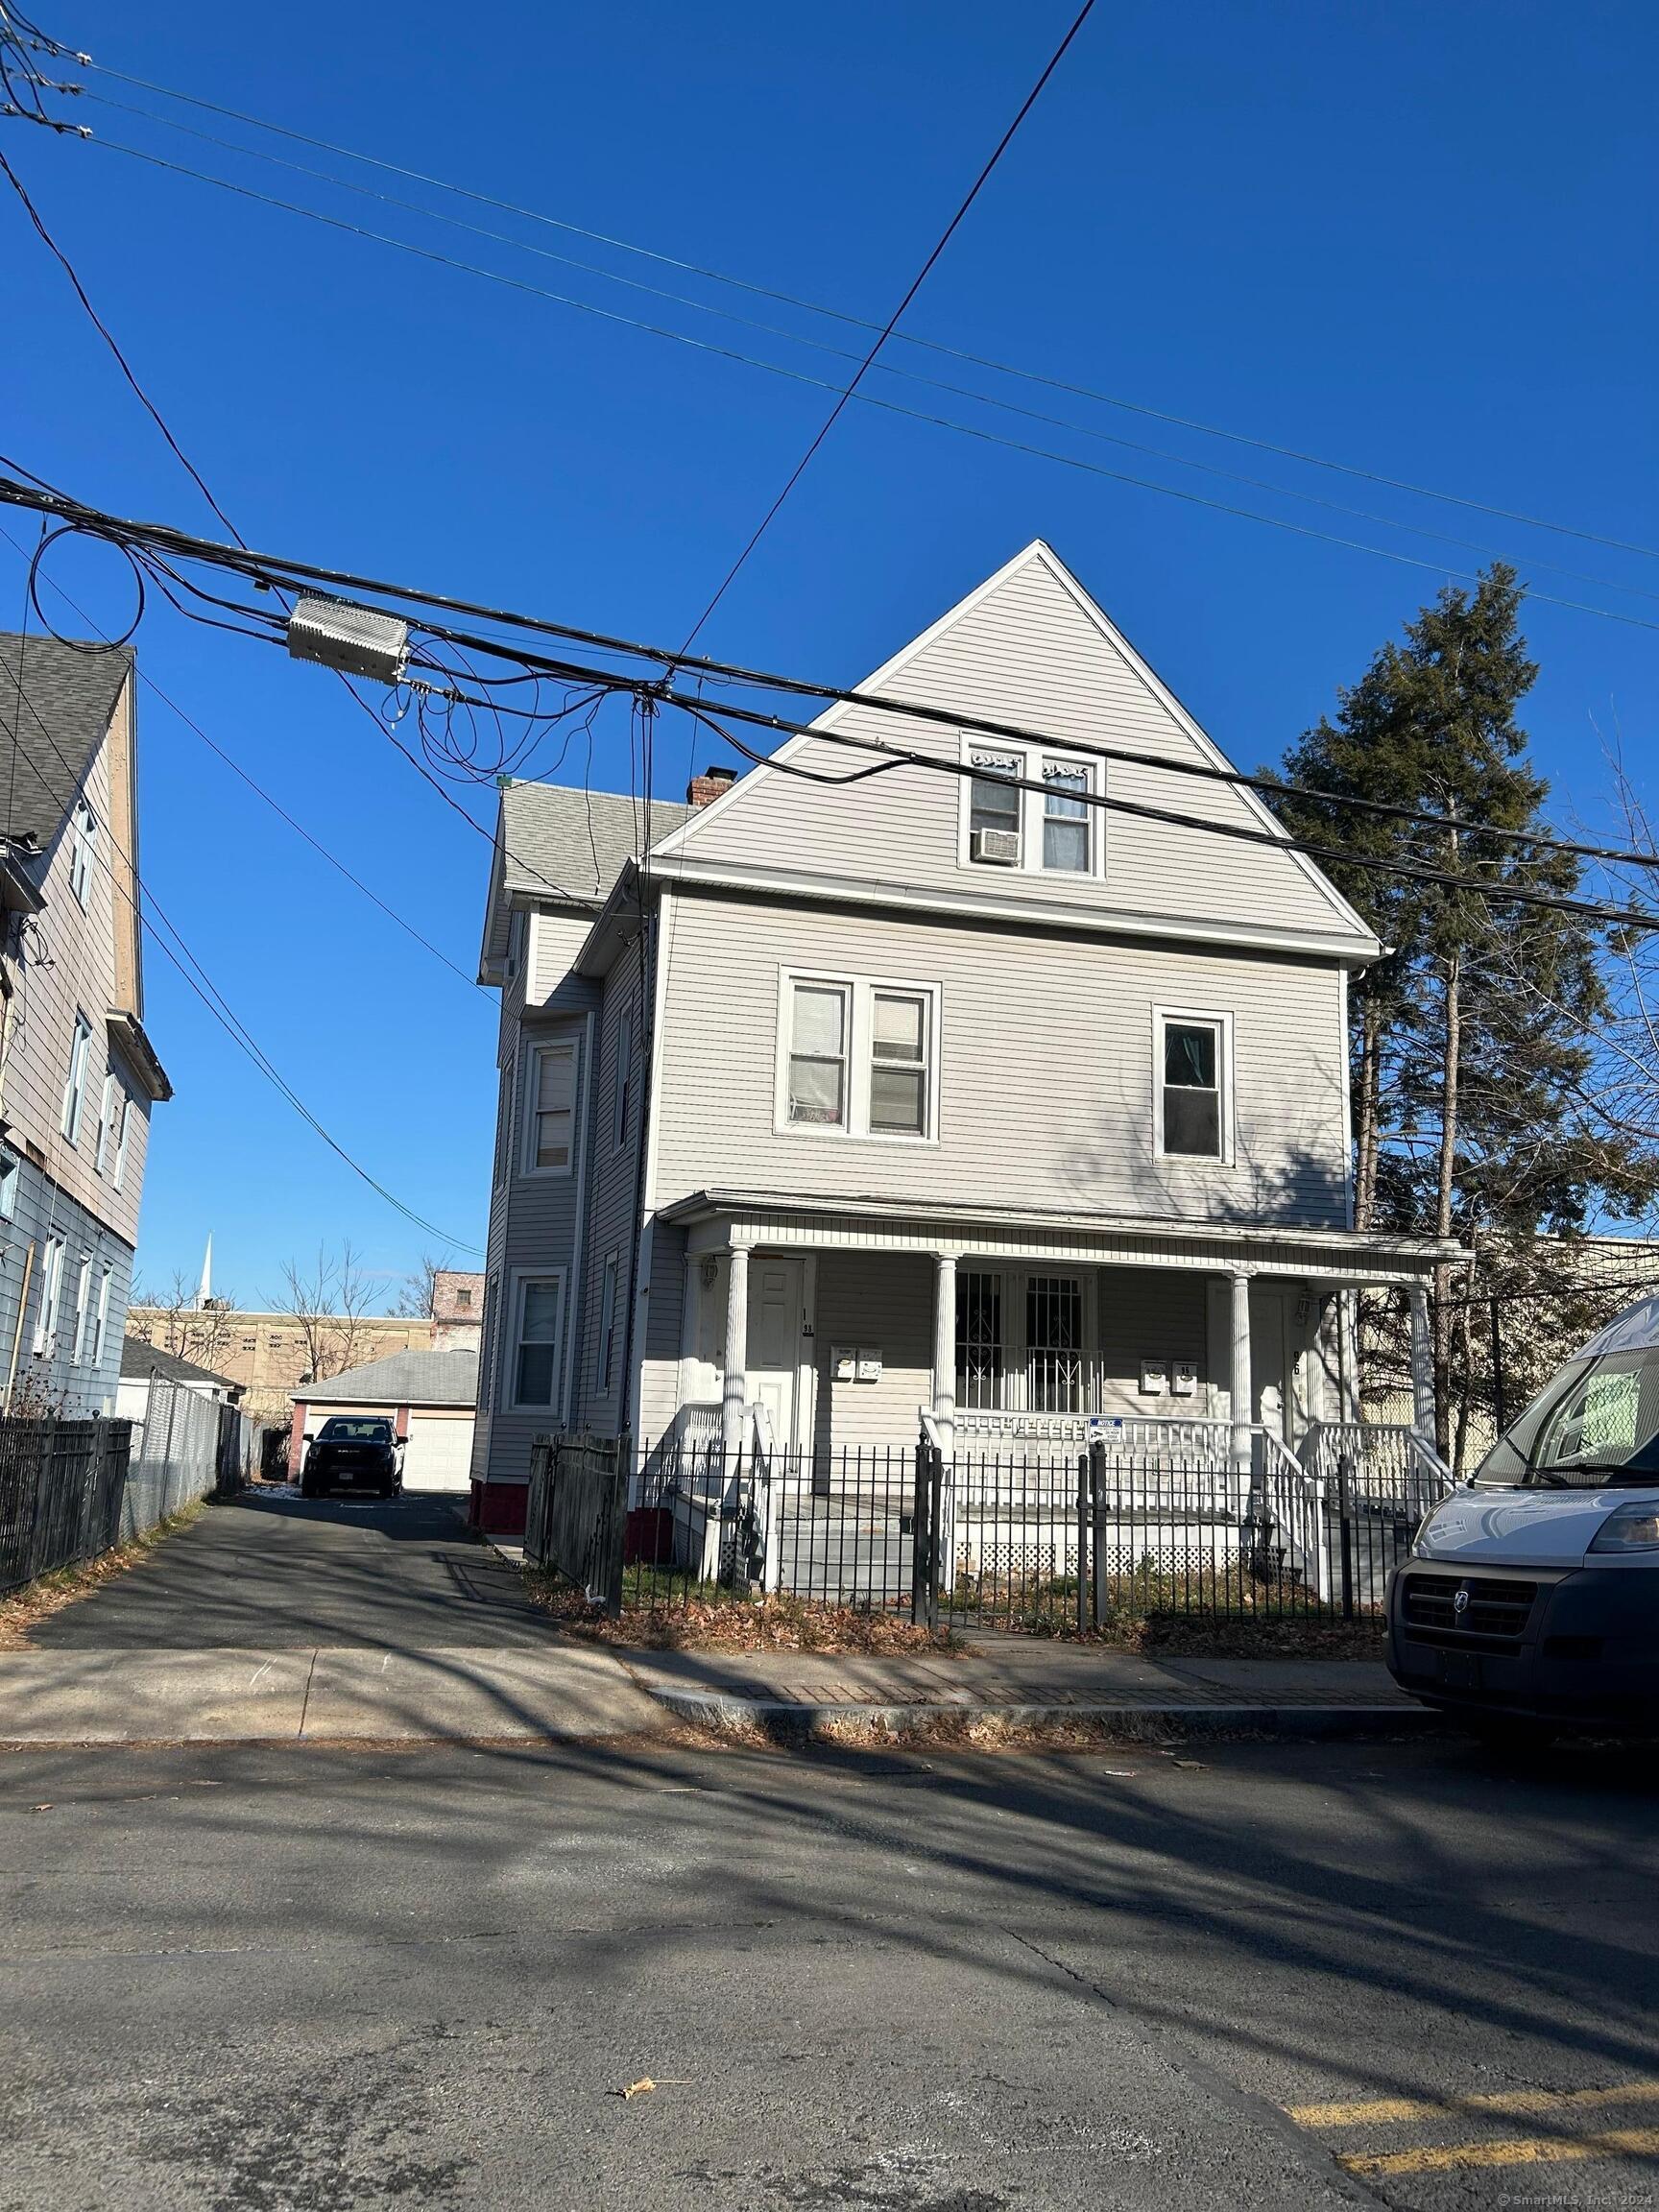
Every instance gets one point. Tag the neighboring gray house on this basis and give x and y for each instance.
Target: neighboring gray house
(929, 1091)
(77, 1075)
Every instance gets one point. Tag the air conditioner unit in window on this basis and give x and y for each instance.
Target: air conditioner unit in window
(998, 848)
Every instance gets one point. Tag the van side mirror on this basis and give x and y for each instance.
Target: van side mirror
(310, 1435)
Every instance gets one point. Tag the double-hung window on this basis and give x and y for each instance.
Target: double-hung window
(75, 1086)
(83, 843)
(993, 809)
(899, 1063)
(1193, 1067)
(859, 1057)
(50, 1292)
(552, 1121)
(818, 1039)
(1066, 817)
(99, 1321)
(82, 1308)
(535, 1341)
(106, 1119)
(123, 1136)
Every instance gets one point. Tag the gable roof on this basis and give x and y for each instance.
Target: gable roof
(400, 1379)
(140, 1361)
(561, 846)
(1030, 648)
(55, 700)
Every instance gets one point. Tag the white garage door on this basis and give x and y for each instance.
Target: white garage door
(438, 1455)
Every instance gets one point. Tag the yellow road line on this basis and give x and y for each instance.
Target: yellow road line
(1381, 2111)
(1519, 2151)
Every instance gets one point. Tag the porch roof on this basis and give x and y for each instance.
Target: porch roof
(719, 1216)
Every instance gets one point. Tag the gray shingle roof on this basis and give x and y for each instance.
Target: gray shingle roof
(68, 700)
(140, 1361)
(400, 1379)
(575, 843)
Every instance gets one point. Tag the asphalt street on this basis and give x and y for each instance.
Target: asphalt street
(1407, 1973)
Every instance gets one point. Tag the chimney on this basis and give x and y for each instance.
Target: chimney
(702, 791)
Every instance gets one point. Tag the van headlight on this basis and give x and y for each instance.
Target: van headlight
(1633, 1527)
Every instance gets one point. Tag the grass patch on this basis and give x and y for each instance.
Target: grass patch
(23, 1610)
(707, 1616)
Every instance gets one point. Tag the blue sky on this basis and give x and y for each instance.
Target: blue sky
(1414, 237)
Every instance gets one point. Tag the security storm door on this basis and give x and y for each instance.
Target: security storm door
(775, 1295)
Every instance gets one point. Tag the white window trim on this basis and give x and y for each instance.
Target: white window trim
(119, 1177)
(1222, 1023)
(82, 1308)
(10, 1180)
(1033, 761)
(564, 1040)
(83, 843)
(75, 1082)
(51, 1292)
(101, 1319)
(860, 991)
(512, 1403)
(105, 1120)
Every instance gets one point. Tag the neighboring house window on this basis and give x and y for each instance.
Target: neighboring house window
(859, 1057)
(818, 1028)
(553, 1110)
(463, 1298)
(1193, 1053)
(75, 1089)
(623, 1082)
(122, 1140)
(536, 1343)
(82, 1308)
(101, 1320)
(9, 1176)
(1065, 819)
(608, 1322)
(503, 1126)
(106, 1119)
(994, 810)
(978, 1340)
(51, 1291)
(83, 842)
(1054, 1344)
(899, 1063)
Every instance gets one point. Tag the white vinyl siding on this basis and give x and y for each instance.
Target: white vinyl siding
(74, 1084)
(550, 1123)
(856, 1057)
(538, 1316)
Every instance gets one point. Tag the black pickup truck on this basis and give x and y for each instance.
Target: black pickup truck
(353, 1451)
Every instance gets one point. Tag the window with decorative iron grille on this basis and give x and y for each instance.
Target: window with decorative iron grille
(1054, 1344)
(978, 1342)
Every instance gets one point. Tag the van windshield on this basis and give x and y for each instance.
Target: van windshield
(1595, 1425)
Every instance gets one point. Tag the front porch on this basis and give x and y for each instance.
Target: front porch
(1208, 1373)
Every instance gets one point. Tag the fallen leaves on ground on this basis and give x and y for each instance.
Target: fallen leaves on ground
(25, 1609)
(741, 1625)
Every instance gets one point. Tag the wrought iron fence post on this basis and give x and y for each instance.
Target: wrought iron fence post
(1098, 1548)
(1085, 1461)
(1345, 1518)
(924, 1532)
(935, 1549)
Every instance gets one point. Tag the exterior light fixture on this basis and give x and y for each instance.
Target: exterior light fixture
(356, 641)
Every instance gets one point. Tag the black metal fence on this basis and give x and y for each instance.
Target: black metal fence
(62, 1488)
(1042, 1541)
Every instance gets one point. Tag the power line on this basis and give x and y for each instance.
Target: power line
(937, 422)
(295, 574)
(888, 328)
(908, 338)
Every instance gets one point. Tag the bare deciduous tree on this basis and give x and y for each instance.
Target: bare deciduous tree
(172, 1319)
(417, 1297)
(328, 1301)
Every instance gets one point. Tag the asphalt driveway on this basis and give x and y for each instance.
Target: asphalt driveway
(279, 1571)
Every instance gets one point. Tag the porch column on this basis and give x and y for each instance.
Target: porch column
(735, 1390)
(944, 1350)
(1240, 1374)
(1422, 1363)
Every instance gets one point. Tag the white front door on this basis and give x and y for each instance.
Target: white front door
(775, 1317)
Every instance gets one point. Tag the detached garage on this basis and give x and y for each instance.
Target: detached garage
(431, 1396)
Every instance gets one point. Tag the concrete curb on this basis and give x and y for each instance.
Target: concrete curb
(788, 1720)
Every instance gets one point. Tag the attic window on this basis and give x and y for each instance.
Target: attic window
(83, 843)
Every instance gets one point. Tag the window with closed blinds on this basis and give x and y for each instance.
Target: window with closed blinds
(899, 1063)
(536, 1356)
(818, 1055)
(553, 1108)
(1066, 819)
